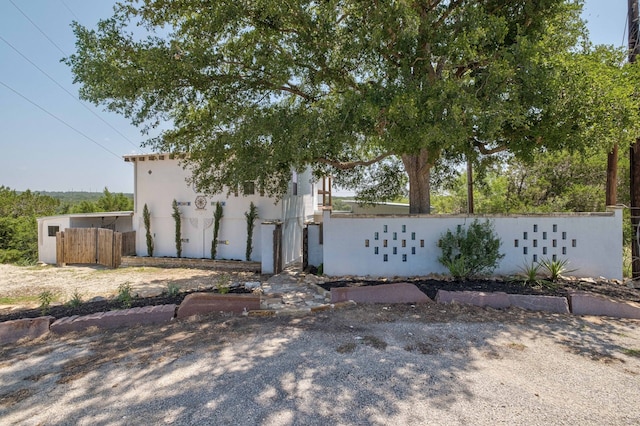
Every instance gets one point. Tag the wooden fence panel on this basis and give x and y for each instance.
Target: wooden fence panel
(117, 249)
(93, 245)
(128, 243)
(80, 245)
(105, 247)
(60, 248)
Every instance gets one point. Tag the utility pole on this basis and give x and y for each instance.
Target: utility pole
(469, 185)
(634, 152)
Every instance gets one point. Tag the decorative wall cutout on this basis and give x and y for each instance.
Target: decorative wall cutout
(395, 247)
(544, 248)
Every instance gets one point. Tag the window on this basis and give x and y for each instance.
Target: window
(52, 230)
(248, 188)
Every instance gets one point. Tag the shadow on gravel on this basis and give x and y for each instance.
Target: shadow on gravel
(354, 366)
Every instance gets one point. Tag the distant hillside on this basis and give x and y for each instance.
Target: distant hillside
(76, 197)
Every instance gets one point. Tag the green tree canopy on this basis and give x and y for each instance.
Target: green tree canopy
(18, 225)
(374, 93)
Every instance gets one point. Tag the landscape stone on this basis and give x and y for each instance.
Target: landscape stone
(12, 331)
(113, 319)
(556, 304)
(383, 293)
(205, 303)
(497, 300)
(583, 303)
(252, 285)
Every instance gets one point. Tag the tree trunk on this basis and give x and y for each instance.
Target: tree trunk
(418, 167)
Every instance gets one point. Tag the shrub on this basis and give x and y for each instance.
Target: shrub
(147, 226)
(173, 289)
(223, 284)
(75, 301)
(217, 217)
(124, 295)
(178, 221)
(251, 216)
(470, 252)
(45, 297)
(555, 268)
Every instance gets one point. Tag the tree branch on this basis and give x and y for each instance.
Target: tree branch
(487, 151)
(346, 165)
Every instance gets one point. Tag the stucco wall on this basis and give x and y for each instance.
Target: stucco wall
(159, 182)
(592, 243)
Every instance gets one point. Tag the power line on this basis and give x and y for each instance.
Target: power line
(38, 28)
(70, 11)
(69, 93)
(60, 120)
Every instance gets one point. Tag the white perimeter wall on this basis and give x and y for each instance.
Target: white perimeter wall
(592, 243)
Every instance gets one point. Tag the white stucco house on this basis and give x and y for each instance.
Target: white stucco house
(161, 178)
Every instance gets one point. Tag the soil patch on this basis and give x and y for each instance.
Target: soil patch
(430, 287)
(112, 304)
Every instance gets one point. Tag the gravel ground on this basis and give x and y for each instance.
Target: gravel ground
(370, 364)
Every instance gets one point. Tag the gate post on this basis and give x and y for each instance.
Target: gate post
(271, 243)
(60, 249)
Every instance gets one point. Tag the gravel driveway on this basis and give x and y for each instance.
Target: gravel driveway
(379, 365)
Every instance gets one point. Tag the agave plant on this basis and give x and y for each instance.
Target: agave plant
(556, 268)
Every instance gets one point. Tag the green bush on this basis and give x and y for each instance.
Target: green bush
(471, 251)
(251, 217)
(124, 295)
(217, 217)
(45, 297)
(146, 215)
(178, 220)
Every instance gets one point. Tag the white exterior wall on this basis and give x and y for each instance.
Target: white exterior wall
(315, 251)
(592, 243)
(159, 182)
(120, 222)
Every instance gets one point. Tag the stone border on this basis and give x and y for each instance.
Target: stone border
(583, 303)
(206, 303)
(160, 314)
(14, 330)
(578, 303)
(382, 293)
(184, 262)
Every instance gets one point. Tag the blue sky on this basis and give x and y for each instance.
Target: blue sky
(50, 141)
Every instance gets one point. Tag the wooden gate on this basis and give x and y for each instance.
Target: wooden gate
(92, 246)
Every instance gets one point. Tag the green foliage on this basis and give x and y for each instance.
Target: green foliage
(357, 90)
(552, 182)
(251, 217)
(471, 251)
(107, 202)
(555, 268)
(18, 224)
(217, 217)
(339, 204)
(173, 289)
(146, 216)
(75, 301)
(124, 296)
(222, 284)
(178, 220)
(45, 297)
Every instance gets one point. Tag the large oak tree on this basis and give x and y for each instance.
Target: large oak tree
(364, 90)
